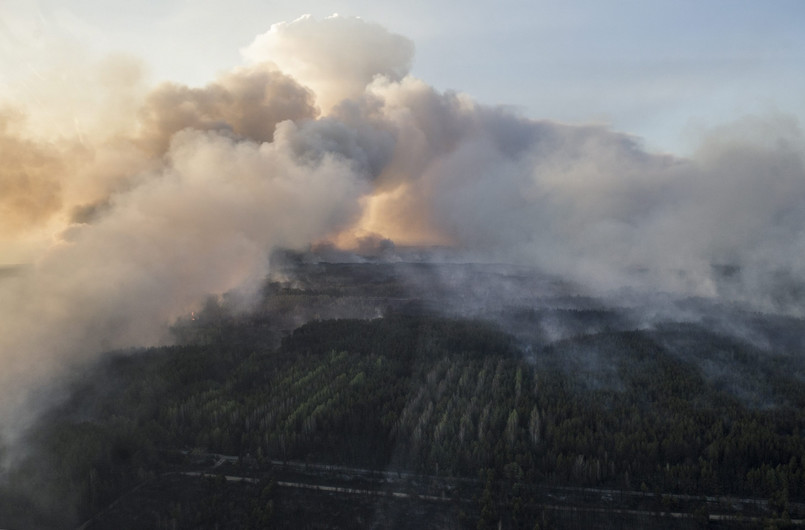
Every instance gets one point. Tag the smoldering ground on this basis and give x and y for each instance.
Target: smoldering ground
(132, 210)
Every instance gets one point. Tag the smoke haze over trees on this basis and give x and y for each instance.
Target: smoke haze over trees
(129, 205)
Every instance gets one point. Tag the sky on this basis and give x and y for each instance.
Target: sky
(664, 71)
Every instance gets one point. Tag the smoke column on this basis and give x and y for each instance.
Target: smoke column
(129, 207)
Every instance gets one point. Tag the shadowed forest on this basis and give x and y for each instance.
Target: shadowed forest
(434, 396)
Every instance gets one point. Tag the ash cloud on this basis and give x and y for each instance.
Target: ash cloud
(323, 135)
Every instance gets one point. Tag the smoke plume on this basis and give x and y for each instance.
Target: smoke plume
(323, 135)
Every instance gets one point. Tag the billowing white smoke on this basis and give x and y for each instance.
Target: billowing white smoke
(149, 219)
(323, 135)
(590, 203)
(337, 57)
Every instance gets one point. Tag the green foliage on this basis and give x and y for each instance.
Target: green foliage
(437, 396)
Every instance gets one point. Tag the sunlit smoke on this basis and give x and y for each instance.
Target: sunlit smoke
(141, 201)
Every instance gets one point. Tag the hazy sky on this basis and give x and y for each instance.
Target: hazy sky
(661, 70)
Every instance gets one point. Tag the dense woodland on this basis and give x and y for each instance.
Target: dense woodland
(649, 411)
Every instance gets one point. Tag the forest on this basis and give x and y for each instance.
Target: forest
(423, 416)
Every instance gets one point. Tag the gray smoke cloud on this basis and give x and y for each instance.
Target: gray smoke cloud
(323, 135)
(590, 203)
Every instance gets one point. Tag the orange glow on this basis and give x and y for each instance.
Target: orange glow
(391, 215)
